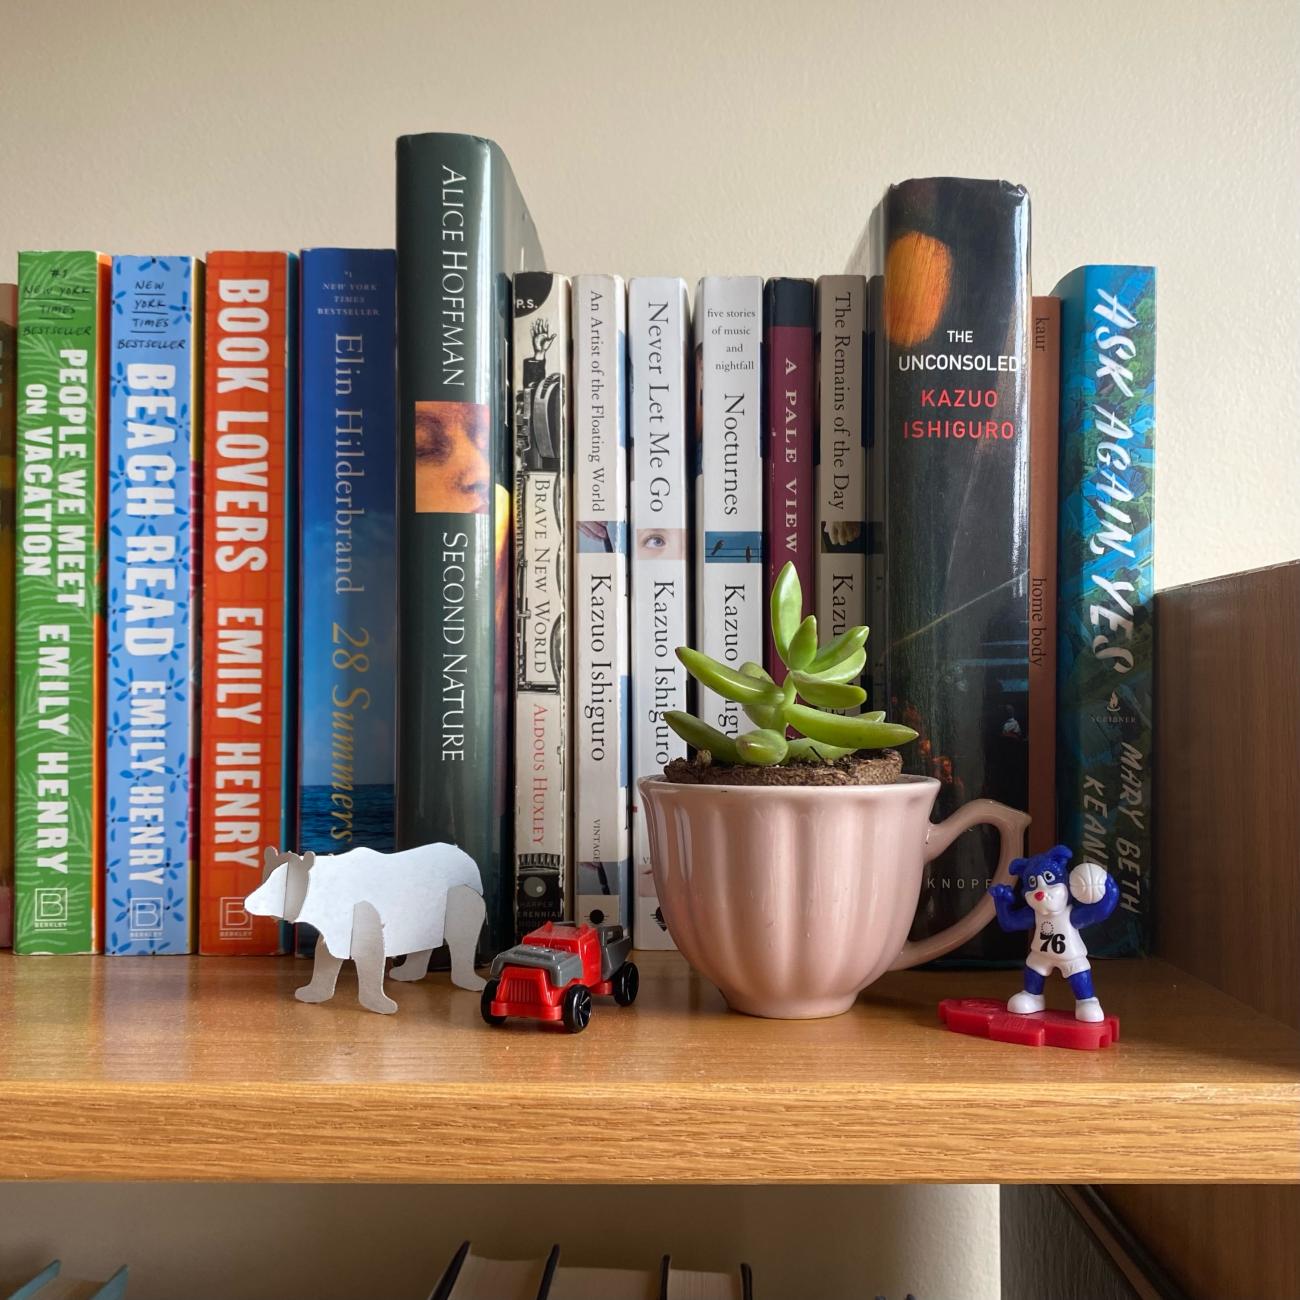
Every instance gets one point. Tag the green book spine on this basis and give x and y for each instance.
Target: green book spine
(462, 230)
(59, 706)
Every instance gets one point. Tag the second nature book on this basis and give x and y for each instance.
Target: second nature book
(462, 230)
(59, 643)
(249, 622)
(152, 642)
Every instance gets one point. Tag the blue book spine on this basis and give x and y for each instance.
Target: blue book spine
(152, 646)
(1106, 586)
(348, 592)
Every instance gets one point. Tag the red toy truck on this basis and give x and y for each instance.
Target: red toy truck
(553, 973)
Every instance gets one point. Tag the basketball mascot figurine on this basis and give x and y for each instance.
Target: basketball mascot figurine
(1055, 912)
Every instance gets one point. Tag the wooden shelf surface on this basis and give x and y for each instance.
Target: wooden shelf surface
(208, 1069)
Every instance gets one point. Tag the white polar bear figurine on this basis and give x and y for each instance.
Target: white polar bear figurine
(369, 905)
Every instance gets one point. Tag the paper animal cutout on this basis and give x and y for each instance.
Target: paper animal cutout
(369, 905)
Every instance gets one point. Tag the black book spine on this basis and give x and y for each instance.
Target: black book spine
(953, 446)
(462, 230)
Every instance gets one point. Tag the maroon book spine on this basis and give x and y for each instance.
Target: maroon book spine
(790, 398)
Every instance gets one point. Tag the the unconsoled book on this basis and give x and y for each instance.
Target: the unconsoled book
(729, 594)
(347, 552)
(601, 647)
(462, 230)
(543, 539)
(249, 600)
(155, 365)
(1106, 570)
(841, 454)
(1044, 461)
(59, 638)
(8, 473)
(953, 448)
(659, 352)
(789, 480)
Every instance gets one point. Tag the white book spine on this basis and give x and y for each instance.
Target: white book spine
(602, 658)
(729, 490)
(842, 455)
(542, 549)
(659, 348)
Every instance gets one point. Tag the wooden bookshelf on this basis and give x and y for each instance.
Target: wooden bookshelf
(208, 1069)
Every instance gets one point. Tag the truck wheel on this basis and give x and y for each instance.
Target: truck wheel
(577, 1008)
(485, 1003)
(627, 981)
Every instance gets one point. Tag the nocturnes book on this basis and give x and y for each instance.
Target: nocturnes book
(347, 552)
(543, 540)
(1044, 461)
(1106, 577)
(789, 484)
(729, 482)
(8, 473)
(59, 638)
(952, 446)
(659, 356)
(462, 231)
(155, 377)
(601, 648)
(249, 610)
(841, 454)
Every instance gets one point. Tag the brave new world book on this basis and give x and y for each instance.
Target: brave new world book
(347, 552)
(154, 377)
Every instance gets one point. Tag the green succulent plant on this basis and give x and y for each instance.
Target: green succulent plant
(818, 678)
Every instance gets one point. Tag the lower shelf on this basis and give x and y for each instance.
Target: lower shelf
(208, 1069)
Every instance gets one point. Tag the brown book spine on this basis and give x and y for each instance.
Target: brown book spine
(1044, 444)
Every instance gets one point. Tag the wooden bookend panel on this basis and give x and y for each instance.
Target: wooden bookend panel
(1228, 785)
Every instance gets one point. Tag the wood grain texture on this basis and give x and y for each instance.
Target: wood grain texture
(1219, 1241)
(1228, 785)
(206, 1068)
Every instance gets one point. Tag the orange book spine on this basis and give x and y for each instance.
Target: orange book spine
(1044, 460)
(247, 442)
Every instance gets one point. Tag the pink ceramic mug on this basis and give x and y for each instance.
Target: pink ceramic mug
(792, 899)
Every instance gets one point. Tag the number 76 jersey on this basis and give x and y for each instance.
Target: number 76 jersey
(1057, 946)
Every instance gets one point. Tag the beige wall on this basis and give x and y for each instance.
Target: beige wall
(686, 137)
(390, 1243)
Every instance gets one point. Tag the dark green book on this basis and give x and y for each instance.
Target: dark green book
(462, 231)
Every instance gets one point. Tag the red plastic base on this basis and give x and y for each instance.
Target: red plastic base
(984, 1018)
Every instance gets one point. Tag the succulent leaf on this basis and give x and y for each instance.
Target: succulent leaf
(787, 606)
(803, 645)
(757, 671)
(731, 685)
(699, 735)
(846, 670)
(805, 750)
(762, 748)
(836, 729)
(827, 695)
(851, 639)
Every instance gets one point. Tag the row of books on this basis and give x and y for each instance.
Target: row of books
(563, 515)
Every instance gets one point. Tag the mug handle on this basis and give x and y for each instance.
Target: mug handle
(1011, 824)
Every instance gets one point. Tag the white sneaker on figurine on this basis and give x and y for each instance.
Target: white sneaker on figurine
(1025, 1004)
(1089, 1009)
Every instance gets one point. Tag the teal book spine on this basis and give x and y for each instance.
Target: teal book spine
(154, 377)
(1106, 586)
